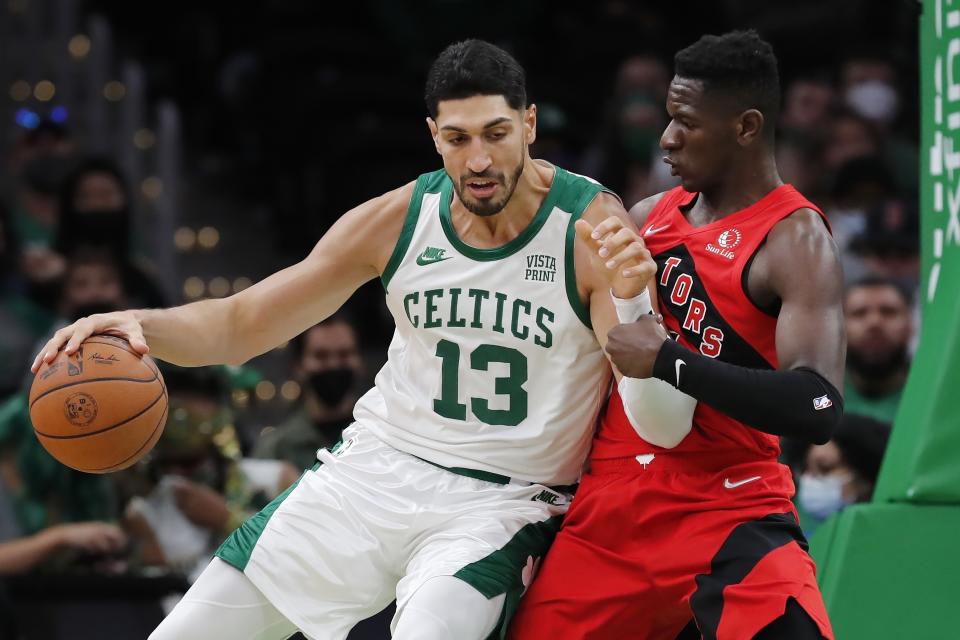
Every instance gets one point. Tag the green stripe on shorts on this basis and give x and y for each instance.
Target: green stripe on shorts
(502, 571)
(238, 547)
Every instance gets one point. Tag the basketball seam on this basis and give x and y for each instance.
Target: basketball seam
(76, 382)
(160, 423)
(111, 427)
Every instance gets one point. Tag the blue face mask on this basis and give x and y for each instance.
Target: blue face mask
(822, 496)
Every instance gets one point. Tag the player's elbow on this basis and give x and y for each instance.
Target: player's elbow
(665, 436)
(667, 442)
(238, 331)
(823, 428)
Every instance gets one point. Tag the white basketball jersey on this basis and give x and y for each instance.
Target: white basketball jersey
(493, 365)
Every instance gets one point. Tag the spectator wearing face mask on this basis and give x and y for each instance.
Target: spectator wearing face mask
(841, 472)
(871, 87)
(328, 366)
(879, 327)
(95, 214)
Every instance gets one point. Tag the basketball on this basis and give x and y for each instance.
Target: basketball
(101, 409)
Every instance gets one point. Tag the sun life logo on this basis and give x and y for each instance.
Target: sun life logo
(727, 241)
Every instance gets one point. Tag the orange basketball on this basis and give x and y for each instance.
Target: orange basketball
(101, 409)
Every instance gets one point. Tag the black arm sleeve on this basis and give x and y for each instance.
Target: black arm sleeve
(799, 403)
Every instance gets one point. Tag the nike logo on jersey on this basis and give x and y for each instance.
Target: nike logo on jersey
(679, 363)
(739, 483)
(431, 255)
(650, 231)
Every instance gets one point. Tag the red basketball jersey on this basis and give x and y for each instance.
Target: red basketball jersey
(701, 286)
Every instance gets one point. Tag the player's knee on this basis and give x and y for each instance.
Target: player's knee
(447, 607)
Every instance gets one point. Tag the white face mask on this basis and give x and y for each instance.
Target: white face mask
(874, 100)
(822, 496)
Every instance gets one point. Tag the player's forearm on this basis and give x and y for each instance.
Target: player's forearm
(659, 414)
(193, 335)
(799, 403)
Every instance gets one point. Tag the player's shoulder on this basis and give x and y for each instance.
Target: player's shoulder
(641, 211)
(799, 252)
(395, 201)
(604, 205)
(800, 228)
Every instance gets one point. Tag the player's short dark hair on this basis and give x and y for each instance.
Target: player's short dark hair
(475, 68)
(872, 281)
(739, 64)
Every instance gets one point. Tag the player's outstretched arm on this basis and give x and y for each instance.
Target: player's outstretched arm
(232, 330)
(619, 277)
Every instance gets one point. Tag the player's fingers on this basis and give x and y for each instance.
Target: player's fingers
(82, 329)
(137, 342)
(625, 254)
(610, 225)
(645, 266)
(49, 351)
(615, 241)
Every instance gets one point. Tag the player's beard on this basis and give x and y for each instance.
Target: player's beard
(490, 207)
(878, 368)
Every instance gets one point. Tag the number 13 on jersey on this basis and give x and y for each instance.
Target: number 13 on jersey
(448, 404)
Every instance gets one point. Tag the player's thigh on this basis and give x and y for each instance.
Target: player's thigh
(325, 553)
(446, 607)
(492, 544)
(223, 603)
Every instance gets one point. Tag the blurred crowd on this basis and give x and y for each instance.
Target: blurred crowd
(68, 248)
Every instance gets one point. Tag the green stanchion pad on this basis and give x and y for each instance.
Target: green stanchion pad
(890, 571)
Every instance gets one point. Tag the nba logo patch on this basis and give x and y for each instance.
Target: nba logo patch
(823, 402)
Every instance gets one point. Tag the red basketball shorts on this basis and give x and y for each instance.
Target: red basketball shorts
(645, 548)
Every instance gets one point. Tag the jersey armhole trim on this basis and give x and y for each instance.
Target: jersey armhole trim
(406, 233)
(774, 310)
(570, 271)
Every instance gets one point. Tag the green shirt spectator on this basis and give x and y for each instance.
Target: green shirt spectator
(46, 492)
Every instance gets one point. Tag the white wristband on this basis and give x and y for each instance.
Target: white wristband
(631, 309)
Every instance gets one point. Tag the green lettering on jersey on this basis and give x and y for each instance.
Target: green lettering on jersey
(411, 298)
(501, 299)
(547, 340)
(478, 295)
(519, 304)
(428, 296)
(446, 405)
(454, 321)
(511, 386)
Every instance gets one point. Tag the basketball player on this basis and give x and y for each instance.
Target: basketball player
(450, 484)
(701, 540)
